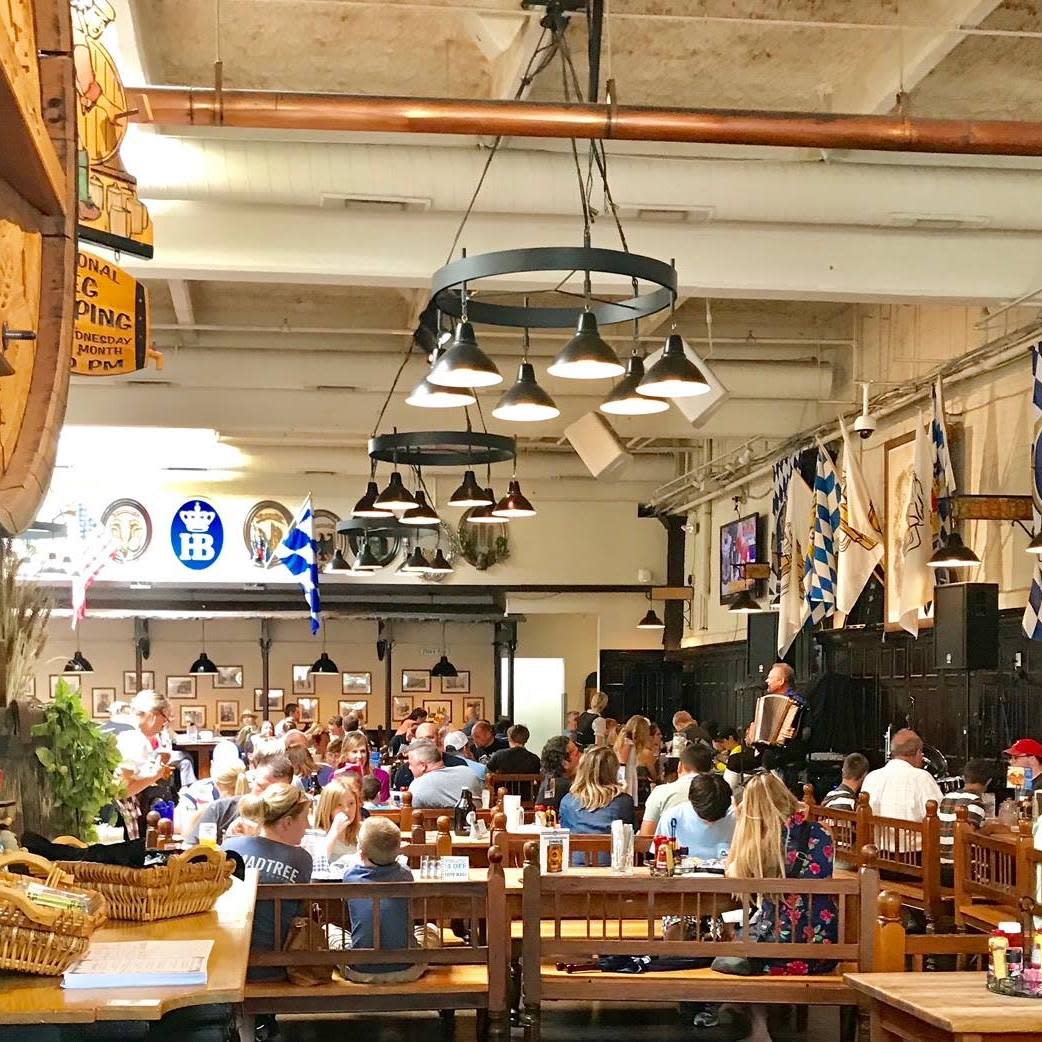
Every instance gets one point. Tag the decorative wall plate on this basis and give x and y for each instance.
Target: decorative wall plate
(325, 522)
(483, 545)
(130, 526)
(266, 526)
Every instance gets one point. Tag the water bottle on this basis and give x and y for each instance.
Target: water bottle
(374, 758)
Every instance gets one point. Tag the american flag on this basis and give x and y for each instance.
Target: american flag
(299, 554)
(1033, 608)
(96, 549)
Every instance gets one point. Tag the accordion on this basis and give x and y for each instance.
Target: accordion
(775, 714)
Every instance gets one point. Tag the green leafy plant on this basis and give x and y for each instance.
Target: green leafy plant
(79, 760)
(24, 612)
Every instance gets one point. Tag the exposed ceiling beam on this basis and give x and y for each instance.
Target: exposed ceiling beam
(181, 297)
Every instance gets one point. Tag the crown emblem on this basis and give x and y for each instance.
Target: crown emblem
(197, 520)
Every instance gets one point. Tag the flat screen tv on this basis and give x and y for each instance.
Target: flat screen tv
(741, 542)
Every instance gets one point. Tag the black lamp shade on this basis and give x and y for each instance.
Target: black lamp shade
(416, 561)
(464, 364)
(440, 565)
(624, 399)
(526, 401)
(484, 515)
(339, 562)
(587, 356)
(426, 395)
(366, 561)
(444, 668)
(470, 493)
(324, 664)
(79, 664)
(422, 513)
(674, 375)
(203, 665)
(366, 506)
(514, 503)
(745, 604)
(651, 621)
(954, 554)
(396, 496)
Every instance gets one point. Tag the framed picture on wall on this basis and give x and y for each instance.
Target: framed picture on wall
(180, 687)
(303, 680)
(190, 715)
(401, 707)
(228, 676)
(477, 704)
(308, 710)
(416, 680)
(276, 697)
(356, 684)
(360, 709)
(228, 714)
(101, 699)
(71, 679)
(457, 685)
(439, 710)
(130, 684)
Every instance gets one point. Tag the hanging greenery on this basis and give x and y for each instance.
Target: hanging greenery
(24, 611)
(80, 761)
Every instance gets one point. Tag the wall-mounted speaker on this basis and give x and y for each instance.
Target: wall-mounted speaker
(597, 445)
(966, 626)
(761, 643)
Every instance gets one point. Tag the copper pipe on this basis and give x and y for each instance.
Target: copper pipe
(285, 110)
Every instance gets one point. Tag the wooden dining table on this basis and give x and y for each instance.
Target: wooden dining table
(28, 999)
(944, 1007)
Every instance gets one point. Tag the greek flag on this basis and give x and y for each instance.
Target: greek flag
(299, 554)
(782, 473)
(1033, 608)
(820, 566)
(943, 484)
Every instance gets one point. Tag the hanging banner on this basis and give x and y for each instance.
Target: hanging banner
(110, 213)
(113, 324)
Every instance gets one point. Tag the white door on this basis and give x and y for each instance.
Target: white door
(539, 697)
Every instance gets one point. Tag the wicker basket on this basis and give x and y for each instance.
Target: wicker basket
(35, 939)
(188, 883)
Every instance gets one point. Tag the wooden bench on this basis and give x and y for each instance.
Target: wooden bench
(847, 826)
(992, 874)
(614, 900)
(524, 785)
(897, 950)
(471, 974)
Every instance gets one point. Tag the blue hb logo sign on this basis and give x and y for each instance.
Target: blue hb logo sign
(196, 534)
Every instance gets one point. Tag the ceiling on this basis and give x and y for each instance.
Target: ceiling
(290, 268)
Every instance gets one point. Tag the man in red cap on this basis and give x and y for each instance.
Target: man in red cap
(1027, 753)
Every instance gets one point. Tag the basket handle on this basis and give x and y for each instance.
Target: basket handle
(38, 866)
(35, 912)
(192, 855)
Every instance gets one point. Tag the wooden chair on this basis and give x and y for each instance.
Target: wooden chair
(848, 827)
(897, 951)
(524, 785)
(992, 873)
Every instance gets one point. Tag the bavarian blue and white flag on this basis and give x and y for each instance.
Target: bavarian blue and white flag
(1033, 608)
(821, 562)
(299, 553)
(781, 475)
(793, 610)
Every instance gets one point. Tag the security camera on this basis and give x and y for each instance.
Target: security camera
(865, 424)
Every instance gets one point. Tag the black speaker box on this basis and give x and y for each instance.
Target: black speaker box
(761, 643)
(966, 626)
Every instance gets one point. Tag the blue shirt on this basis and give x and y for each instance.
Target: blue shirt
(577, 818)
(704, 839)
(394, 914)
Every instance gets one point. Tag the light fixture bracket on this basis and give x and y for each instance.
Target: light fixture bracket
(424, 449)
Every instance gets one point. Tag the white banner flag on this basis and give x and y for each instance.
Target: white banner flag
(913, 582)
(860, 544)
(793, 609)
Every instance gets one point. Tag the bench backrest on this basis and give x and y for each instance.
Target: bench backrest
(593, 849)
(524, 785)
(848, 827)
(988, 868)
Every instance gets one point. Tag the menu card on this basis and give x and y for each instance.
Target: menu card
(139, 964)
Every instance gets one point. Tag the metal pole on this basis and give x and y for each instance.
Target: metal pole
(265, 650)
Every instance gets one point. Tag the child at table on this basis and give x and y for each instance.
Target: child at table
(338, 814)
(371, 795)
(379, 843)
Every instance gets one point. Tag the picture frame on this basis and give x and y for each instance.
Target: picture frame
(192, 713)
(360, 709)
(457, 685)
(356, 683)
(302, 681)
(228, 677)
(308, 710)
(130, 686)
(439, 710)
(401, 707)
(101, 699)
(276, 699)
(477, 703)
(416, 680)
(228, 714)
(72, 679)
(180, 687)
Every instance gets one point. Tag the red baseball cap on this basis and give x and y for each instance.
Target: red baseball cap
(1025, 747)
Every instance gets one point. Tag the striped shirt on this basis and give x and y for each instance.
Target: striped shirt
(975, 815)
(842, 797)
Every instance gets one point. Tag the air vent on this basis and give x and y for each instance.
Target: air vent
(667, 214)
(938, 222)
(382, 203)
(338, 388)
(148, 383)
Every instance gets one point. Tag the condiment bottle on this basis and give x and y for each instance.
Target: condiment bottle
(998, 945)
(1015, 947)
(540, 816)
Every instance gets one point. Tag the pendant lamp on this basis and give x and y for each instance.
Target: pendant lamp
(79, 664)
(416, 561)
(651, 621)
(440, 565)
(1035, 546)
(422, 513)
(587, 356)
(514, 503)
(674, 375)
(464, 364)
(339, 562)
(624, 399)
(203, 665)
(366, 561)
(426, 395)
(484, 515)
(745, 604)
(396, 496)
(324, 664)
(443, 667)
(954, 554)
(366, 506)
(526, 401)
(470, 493)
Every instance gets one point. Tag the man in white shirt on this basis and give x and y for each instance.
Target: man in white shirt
(902, 788)
(434, 784)
(694, 759)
